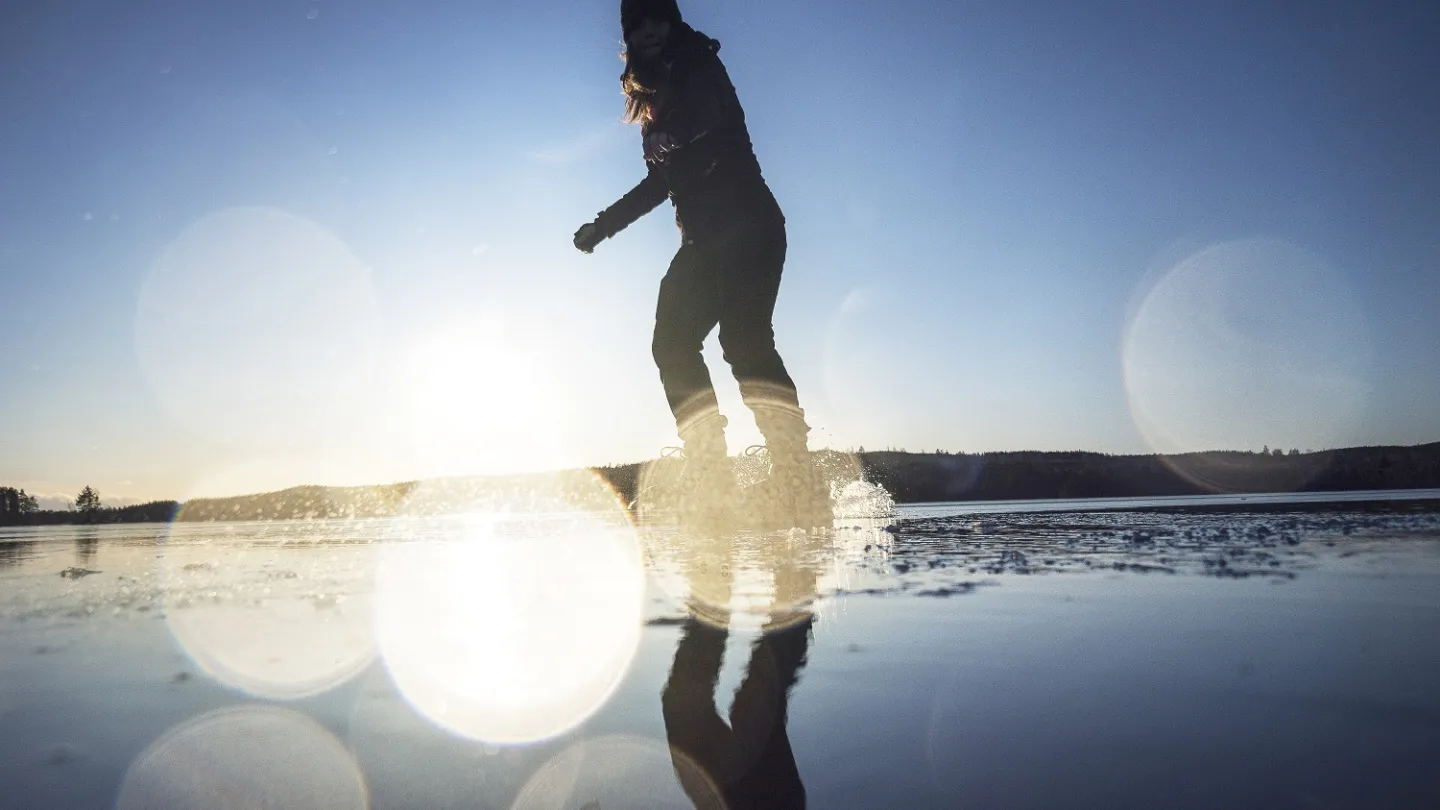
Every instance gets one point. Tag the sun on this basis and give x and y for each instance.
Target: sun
(481, 402)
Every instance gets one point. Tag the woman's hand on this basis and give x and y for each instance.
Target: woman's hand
(587, 238)
(658, 145)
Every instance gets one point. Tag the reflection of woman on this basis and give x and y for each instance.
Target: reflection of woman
(727, 271)
(749, 759)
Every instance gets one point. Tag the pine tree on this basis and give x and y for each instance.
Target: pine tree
(88, 500)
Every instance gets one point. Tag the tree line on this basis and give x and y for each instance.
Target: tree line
(912, 478)
(14, 503)
(908, 477)
(19, 508)
(941, 476)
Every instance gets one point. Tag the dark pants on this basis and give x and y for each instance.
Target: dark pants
(732, 283)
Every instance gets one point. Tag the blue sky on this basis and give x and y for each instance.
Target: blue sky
(246, 246)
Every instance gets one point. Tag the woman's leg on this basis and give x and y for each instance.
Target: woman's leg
(749, 270)
(687, 311)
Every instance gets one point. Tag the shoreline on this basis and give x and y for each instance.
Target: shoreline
(1392, 505)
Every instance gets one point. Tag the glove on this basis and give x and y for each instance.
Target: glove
(588, 237)
(658, 145)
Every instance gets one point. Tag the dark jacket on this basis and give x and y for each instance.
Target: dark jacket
(713, 178)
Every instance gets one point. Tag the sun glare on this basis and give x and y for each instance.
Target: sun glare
(481, 404)
(515, 622)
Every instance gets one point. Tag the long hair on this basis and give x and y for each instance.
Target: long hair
(641, 83)
(645, 82)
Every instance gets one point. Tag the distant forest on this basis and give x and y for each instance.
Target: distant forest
(155, 512)
(912, 478)
(909, 477)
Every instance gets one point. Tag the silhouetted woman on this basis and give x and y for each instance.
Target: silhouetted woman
(727, 271)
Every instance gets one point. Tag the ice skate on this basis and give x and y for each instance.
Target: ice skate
(693, 487)
(795, 493)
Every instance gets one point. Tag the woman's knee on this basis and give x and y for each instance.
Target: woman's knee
(747, 344)
(671, 349)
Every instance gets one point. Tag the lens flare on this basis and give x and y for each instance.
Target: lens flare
(1244, 344)
(241, 758)
(248, 322)
(515, 620)
(279, 616)
(257, 591)
(882, 347)
(620, 771)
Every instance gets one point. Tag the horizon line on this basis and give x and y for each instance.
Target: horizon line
(1275, 452)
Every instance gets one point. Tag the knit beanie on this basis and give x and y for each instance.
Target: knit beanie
(633, 11)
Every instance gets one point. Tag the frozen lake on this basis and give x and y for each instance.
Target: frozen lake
(1105, 656)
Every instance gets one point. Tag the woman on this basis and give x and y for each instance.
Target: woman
(727, 271)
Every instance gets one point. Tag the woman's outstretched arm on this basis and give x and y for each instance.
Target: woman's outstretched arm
(636, 203)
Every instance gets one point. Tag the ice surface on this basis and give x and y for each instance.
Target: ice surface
(1027, 659)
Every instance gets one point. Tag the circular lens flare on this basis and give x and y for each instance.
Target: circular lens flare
(241, 758)
(515, 620)
(247, 324)
(1241, 345)
(275, 616)
(260, 593)
(620, 771)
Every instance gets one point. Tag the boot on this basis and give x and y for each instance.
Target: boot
(796, 495)
(706, 494)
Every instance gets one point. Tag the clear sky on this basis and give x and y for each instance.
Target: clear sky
(250, 245)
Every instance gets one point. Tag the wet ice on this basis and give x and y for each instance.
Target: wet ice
(1008, 658)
